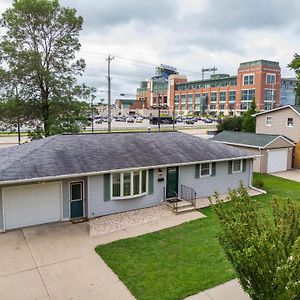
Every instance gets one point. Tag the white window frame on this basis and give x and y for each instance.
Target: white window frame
(287, 122)
(241, 166)
(210, 170)
(273, 75)
(269, 123)
(121, 197)
(248, 80)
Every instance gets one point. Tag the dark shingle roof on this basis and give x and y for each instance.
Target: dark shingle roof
(246, 138)
(77, 154)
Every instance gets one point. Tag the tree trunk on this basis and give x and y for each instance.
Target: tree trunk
(46, 113)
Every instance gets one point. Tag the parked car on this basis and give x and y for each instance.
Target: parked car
(208, 121)
(139, 120)
(190, 121)
(130, 120)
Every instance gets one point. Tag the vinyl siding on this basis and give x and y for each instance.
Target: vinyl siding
(206, 186)
(279, 124)
(1, 212)
(98, 207)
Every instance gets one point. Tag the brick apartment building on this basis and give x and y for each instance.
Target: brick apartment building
(220, 94)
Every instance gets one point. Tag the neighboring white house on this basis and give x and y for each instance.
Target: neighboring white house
(72, 176)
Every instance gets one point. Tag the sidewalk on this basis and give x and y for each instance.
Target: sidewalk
(230, 290)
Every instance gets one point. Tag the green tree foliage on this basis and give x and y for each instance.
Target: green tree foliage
(248, 121)
(264, 250)
(230, 123)
(38, 68)
(295, 65)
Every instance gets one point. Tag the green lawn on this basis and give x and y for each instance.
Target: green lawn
(183, 260)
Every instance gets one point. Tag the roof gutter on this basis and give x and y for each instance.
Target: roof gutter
(59, 177)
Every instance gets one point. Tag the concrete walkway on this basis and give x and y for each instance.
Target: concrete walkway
(58, 261)
(291, 175)
(230, 290)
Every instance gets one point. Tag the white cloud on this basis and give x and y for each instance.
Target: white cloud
(187, 34)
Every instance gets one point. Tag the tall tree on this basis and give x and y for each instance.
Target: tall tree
(295, 65)
(37, 59)
(264, 250)
(248, 121)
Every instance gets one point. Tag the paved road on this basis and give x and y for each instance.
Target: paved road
(8, 141)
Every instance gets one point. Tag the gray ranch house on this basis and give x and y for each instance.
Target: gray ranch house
(66, 177)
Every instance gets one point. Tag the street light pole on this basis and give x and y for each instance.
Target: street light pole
(159, 106)
(109, 59)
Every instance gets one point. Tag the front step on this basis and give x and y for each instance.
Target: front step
(185, 209)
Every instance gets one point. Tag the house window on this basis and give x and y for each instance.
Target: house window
(116, 182)
(290, 122)
(205, 169)
(269, 121)
(248, 79)
(236, 166)
(129, 184)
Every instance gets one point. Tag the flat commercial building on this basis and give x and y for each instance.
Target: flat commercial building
(221, 94)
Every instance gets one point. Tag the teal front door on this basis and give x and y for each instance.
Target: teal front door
(172, 182)
(76, 199)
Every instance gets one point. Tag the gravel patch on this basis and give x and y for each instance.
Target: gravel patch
(119, 221)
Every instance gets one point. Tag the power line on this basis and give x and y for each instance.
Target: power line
(139, 62)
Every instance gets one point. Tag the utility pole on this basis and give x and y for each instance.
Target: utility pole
(109, 59)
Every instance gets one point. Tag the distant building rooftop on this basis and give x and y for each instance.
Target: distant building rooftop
(260, 62)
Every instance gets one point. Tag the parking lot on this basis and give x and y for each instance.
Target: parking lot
(146, 124)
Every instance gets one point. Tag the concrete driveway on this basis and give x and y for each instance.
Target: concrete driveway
(58, 261)
(55, 261)
(291, 174)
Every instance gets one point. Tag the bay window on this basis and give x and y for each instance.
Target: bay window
(129, 184)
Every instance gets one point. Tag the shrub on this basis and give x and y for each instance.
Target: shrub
(265, 252)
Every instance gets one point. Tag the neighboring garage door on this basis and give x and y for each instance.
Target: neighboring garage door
(31, 204)
(277, 160)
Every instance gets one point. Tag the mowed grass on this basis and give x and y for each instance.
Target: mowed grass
(183, 260)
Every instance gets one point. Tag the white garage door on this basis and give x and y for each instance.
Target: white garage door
(277, 160)
(31, 204)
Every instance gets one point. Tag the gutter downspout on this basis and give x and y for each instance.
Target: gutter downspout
(250, 179)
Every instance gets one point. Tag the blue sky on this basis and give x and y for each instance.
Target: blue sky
(187, 34)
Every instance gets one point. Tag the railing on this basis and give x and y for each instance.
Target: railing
(188, 194)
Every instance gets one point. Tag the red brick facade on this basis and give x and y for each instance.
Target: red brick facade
(221, 94)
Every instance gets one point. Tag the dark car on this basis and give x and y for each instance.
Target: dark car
(208, 121)
(190, 121)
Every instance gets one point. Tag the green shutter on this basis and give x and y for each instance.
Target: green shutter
(106, 187)
(150, 181)
(230, 167)
(213, 169)
(197, 171)
(244, 165)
